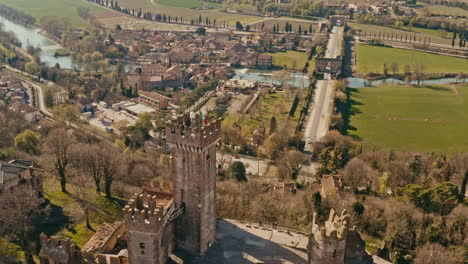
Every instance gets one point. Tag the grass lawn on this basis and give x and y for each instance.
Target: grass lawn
(277, 104)
(426, 118)
(434, 35)
(293, 60)
(372, 58)
(61, 8)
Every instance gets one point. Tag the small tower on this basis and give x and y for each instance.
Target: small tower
(149, 233)
(327, 245)
(193, 146)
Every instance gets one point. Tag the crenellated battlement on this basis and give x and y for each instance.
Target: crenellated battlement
(189, 132)
(145, 213)
(58, 249)
(157, 187)
(335, 227)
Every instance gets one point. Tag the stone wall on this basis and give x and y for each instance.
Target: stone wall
(59, 250)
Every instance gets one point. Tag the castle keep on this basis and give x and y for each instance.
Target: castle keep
(193, 146)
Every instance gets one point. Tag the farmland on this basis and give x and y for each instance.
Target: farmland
(62, 8)
(185, 3)
(281, 22)
(442, 10)
(434, 35)
(169, 8)
(426, 118)
(292, 60)
(372, 58)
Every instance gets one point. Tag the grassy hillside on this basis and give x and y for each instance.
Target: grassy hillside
(61, 8)
(372, 58)
(406, 117)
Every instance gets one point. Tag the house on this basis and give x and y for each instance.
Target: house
(31, 114)
(331, 185)
(153, 69)
(264, 60)
(154, 100)
(18, 173)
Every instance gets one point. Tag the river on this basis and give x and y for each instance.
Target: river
(298, 79)
(359, 82)
(30, 36)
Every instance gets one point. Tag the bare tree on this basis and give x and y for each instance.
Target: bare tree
(20, 214)
(89, 161)
(394, 68)
(357, 174)
(419, 72)
(58, 143)
(110, 163)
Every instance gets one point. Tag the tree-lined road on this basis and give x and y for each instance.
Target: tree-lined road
(321, 109)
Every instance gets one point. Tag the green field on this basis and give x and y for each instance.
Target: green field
(61, 8)
(434, 35)
(185, 3)
(442, 10)
(426, 118)
(372, 58)
(169, 7)
(291, 60)
(281, 22)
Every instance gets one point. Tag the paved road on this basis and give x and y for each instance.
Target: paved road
(317, 125)
(321, 109)
(38, 88)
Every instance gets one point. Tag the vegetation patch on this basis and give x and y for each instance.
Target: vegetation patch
(62, 53)
(426, 118)
(372, 59)
(291, 60)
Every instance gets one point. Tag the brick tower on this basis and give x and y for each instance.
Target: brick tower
(193, 147)
(149, 231)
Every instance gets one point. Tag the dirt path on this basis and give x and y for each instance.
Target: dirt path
(454, 89)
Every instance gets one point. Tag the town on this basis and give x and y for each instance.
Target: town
(233, 131)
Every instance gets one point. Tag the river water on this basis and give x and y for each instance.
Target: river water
(359, 82)
(298, 79)
(30, 36)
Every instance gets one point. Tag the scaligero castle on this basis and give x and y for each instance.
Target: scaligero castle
(175, 222)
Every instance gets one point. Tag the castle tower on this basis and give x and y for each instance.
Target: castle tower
(149, 231)
(327, 245)
(193, 147)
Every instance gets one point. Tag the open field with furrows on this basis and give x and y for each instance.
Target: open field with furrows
(372, 58)
(435, 36)
(291, 60)
(61, 8)
(186, 13)
(426, 118)
(272, 104)
(443, 10)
